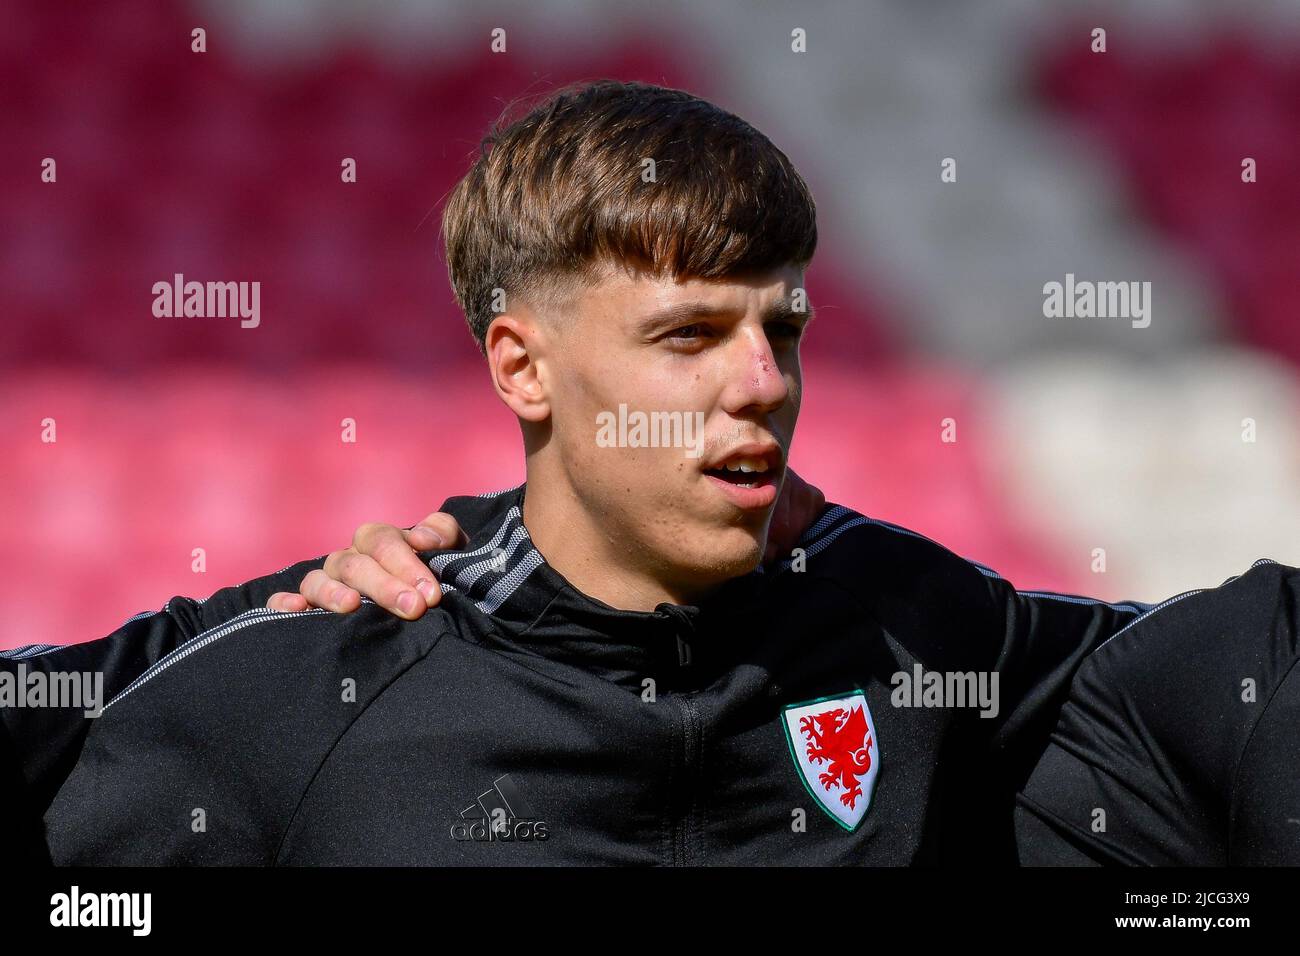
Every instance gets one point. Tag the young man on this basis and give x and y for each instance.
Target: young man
(610, 676)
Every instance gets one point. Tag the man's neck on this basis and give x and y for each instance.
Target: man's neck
(588, 556)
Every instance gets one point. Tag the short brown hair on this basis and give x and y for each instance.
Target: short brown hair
(561, 191)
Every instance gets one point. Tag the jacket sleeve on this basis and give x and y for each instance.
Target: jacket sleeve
(40, 744)
(954, 615)
(1146, 765)
(1044, 638)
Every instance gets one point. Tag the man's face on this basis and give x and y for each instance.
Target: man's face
(708, 367)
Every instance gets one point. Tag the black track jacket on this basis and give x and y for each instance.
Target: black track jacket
(822, 711)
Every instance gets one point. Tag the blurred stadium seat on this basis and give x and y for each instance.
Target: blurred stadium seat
(182, 433)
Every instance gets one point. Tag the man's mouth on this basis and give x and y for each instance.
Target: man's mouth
(744, 472)
(748, 476)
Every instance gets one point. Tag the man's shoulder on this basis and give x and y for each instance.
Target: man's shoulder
(482, 514)
(234, 629)
(259, 657)
(194, 640)
(142, 641)
(241, 715)
(1184, 685)
(867, 554)
(1191, 676)
(234, 600)
(220, 689)
(1248, 623)
(1255, 606)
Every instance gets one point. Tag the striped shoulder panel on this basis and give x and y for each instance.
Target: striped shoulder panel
(489, 574)
(498, 494)
(30, 650)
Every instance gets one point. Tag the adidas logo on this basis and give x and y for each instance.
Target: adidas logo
(502, 814)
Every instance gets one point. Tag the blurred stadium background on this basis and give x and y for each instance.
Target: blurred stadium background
(1073, 434)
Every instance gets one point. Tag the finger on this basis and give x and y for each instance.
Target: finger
(778, 530)
(389, 546)
(812, 504)
(321, 590)
(819, 499)
(424, 539)
(287, 601)
(365, 574)
(445, 529)
(803, 507)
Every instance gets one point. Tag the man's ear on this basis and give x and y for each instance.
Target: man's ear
(514, 347)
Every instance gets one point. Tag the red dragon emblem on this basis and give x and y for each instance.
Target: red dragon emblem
(842, 738)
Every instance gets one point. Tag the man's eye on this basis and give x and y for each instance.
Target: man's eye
(694, 331)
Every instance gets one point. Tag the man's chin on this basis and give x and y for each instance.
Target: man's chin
(726, 554)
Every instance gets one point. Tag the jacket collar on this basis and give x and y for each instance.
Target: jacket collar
(502, 574)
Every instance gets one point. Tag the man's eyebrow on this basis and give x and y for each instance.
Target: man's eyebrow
(686, 312)
(784, 309)
(682, 312)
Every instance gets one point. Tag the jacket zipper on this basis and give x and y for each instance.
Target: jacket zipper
(683, 820)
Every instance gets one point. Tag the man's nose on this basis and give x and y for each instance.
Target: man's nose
(755, 380)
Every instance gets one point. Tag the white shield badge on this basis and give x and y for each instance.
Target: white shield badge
(833, 743)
